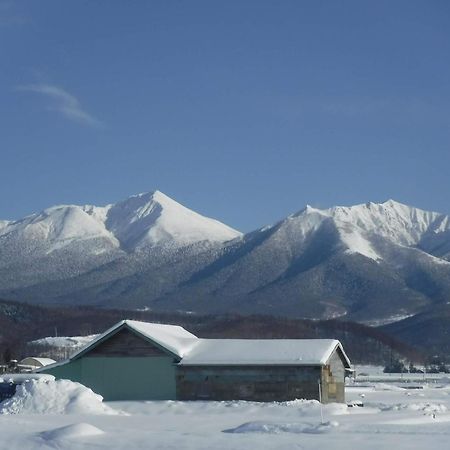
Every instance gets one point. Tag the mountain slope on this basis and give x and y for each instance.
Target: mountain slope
(68, 241)
(367, 262)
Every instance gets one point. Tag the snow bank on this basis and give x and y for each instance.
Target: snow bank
(19, 378)
(277, 428)
(54, 397)
(425, 407)
(76, 430)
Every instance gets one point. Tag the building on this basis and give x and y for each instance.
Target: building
(147, 361)
(33, 362)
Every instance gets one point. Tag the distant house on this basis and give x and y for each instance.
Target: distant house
(147, 361)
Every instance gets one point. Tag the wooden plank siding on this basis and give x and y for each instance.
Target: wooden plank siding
(127, 344)
(257, 383)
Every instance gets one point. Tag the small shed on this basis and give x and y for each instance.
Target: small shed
(147, 361)
(34, 362)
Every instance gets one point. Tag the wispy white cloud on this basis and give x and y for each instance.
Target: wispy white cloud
(63, 102)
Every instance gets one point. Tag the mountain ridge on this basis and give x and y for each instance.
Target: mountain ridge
(368, 262)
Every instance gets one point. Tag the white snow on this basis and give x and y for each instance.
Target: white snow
(59, 226)
(22, 377)
(277, 428)
(36, 361)
(172, 337)
(397, 418)
(150, 219)
(54, 397)
(392, 319)
(74, 431)
(65, 341)
(360, 227)
(193, 350)
(257, 351)
(155, 219)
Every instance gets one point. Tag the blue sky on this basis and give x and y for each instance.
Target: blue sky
(242, 110)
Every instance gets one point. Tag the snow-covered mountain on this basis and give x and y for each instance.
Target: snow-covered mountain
(153, 219)
(68, 240)
(150, 219)
(370, 262)
(361, 227)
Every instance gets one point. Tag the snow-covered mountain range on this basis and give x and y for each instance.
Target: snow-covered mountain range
(371, 262)
(144, 220)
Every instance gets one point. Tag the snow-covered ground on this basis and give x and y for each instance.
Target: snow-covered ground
(70, 342)
(392, 417)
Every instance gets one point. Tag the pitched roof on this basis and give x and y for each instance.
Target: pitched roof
(298, 352)
(191, 350)
(173, 338)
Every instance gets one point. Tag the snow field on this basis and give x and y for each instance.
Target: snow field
(392, 417)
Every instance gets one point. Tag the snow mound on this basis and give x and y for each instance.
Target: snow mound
(54, 397)
(277, 428)
(425, 407)
(73, 431)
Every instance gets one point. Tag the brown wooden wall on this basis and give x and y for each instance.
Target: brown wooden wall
(257, 383)
(125, 343)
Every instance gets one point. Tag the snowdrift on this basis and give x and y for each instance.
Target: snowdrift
(277, 428)
(73, 431)
(54, 397)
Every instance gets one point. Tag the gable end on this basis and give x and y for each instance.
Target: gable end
(125, 341)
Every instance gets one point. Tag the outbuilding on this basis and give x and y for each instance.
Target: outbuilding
(34, 362)
(147, 361)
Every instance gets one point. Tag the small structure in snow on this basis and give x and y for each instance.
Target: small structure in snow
(34, 362)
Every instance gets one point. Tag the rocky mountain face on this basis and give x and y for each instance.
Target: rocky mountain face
(373, 263)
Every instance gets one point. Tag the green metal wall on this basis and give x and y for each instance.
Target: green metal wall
(123, 378)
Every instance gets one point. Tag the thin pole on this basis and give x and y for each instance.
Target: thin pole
(320, 400)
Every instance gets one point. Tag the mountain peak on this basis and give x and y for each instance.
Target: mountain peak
(392, 202)
(153, 218)
(142, 220)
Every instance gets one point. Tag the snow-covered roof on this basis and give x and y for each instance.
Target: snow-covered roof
(173, 338)
(299, 352)
(37, 361)
(192, 350)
